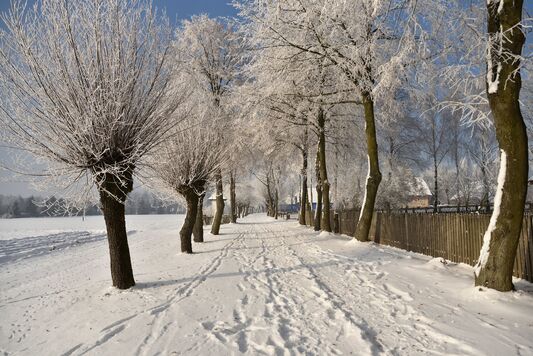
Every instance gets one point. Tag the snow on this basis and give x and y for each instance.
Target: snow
(485, 249)
(366, 186)
(261, 287)
(494, 82)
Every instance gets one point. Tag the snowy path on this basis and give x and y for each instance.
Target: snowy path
(262, 287)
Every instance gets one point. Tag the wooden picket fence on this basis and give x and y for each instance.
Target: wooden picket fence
(455, 237)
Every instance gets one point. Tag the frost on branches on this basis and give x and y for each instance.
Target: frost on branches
(85, 88)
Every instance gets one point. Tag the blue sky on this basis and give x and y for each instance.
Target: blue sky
(182, 9)
(178, 9)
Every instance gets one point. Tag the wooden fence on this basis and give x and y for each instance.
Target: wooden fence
(455, 237)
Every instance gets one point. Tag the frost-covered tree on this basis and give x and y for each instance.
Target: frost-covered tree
(212, 52)
(84, 88)
(486, 75)
(185, 164)
(503, 83)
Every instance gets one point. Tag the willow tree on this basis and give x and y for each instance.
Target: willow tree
(211, 52)
(185, 164)
(84, 89)
(503, 83)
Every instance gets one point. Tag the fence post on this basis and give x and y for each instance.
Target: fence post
(407, 246)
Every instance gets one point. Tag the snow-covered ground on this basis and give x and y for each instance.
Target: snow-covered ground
(262, 287)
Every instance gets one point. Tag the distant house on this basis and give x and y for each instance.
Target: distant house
(420, 195)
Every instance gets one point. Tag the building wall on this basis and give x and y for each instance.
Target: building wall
(419, 202)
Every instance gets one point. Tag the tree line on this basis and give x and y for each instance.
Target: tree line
(35, 206)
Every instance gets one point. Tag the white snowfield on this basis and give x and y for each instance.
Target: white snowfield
(262, 287)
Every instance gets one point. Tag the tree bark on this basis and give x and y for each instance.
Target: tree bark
(362, 229)
(310, 218)
(217, 219)
(198, 229)
(326, 219)
(112, 198)
(304, 199)
(495, 266)
(276, 202)
(233, 197)
(190, 219)
(318, 213)
(270, 199)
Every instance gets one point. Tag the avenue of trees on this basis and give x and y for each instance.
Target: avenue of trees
(332, 104)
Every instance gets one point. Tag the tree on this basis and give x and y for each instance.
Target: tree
(434, 141)
(503, 83)
(84, 88)
(184, 165)
(212, 52)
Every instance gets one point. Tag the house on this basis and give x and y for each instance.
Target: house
(420, 195)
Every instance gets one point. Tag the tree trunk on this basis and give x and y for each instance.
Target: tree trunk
(318, 213)
(326, 219)
(270, 199)
(217, 219)
(276, 203)
(373, 179)
(436, 181)
(495, 266)
(233, 197)
(310, 218)
(112, 198)
(303, 201)
(190, 219)
(198, 229)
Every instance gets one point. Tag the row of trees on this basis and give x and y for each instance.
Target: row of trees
(437, 84)
(105, 91)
